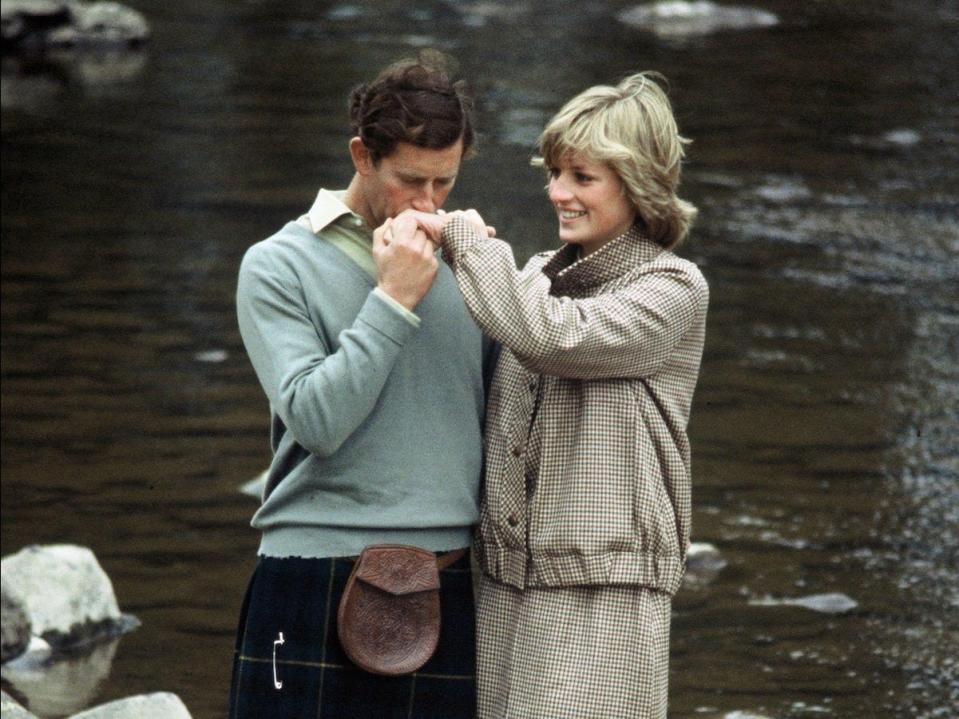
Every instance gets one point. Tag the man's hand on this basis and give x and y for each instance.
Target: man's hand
(405, 264)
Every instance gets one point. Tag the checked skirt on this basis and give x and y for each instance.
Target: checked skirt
(590, 652)
(311, 678)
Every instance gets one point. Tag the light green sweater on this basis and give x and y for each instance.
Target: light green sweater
(375, 422)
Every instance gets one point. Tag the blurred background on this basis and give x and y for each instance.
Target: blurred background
(825, 164)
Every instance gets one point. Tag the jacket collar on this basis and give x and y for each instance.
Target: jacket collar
(572, 276)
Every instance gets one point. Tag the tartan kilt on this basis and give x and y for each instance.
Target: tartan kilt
(585, 652)
(300, 597)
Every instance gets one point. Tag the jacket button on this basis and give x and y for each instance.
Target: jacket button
(532, 385)
(512, 520)
(517, 451)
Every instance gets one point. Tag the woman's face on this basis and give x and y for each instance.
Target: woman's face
(590, 202)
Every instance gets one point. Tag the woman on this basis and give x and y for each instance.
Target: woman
(585, 521)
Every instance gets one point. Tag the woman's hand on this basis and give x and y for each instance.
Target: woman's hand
(429, 223)
(433, 225)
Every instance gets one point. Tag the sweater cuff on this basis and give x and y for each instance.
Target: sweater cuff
(459, 236)
(410, 317)
(381, 316)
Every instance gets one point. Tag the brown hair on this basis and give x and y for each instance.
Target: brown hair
(412, 101)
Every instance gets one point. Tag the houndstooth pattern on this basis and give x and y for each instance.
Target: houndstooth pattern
(604, 357)
(572, 653)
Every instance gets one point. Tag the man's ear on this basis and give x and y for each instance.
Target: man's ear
(362, 160)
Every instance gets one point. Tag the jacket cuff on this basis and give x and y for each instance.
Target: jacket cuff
(459, 236)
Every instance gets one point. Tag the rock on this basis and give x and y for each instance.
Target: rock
(254, 488)
(162, 705)
(212, 356)
(58, 685)
(903, 137)
(22, 20)
(784, 190)
(36, 654)
(68, 597)
(10, 709)
(832, 603)
(703, 563)
(41, 24)
(676, 18)
(14, 624)
(103, 24)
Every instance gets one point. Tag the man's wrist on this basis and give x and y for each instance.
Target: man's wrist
(405, 301)
(398, 306)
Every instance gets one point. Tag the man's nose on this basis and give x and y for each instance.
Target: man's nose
(558, 192)
(425, 200)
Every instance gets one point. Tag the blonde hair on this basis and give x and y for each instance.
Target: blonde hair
(631, 128)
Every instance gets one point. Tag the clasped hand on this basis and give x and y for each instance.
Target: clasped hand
(403, 250)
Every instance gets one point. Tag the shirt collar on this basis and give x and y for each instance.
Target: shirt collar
(327, 208)
(575, 276)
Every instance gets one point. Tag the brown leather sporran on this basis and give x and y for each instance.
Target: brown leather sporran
(389, 617)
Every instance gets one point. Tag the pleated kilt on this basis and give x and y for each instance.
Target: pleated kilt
(592, 652)
(312, 678)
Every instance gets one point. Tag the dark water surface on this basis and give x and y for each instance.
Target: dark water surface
(826, 168)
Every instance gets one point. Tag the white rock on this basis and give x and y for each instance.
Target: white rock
(212, 356)
(65, 685)
(703, 563)
(677, 18)
(38, 8)
(10, 709)
(64, 589)
(70, 22)
(783, 190)
(831, 603)
(903, 136)
(111, 21)
(162, 705)
(15, 625)
(702, 550)
(36, 654)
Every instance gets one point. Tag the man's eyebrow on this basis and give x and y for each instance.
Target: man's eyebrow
(416, 177)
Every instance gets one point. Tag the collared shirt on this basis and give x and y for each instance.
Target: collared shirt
(349, 233)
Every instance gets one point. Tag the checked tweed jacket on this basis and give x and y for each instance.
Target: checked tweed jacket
(604, 356)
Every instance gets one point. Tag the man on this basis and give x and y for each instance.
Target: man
(374, 373)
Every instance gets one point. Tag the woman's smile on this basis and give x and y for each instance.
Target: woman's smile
(590, 203)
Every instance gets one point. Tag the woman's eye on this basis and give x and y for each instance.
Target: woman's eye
(580, 177)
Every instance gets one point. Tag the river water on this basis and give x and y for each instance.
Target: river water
(826, 167)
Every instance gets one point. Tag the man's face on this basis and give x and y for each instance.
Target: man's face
(409, 177)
